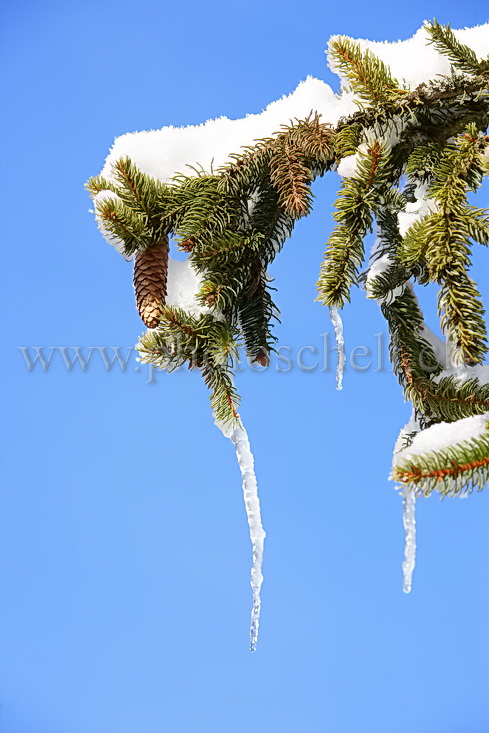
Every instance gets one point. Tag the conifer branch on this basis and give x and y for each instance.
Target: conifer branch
(439, 107)
(269, 218)
(358, 200)
(441, 399)
(461, 56)
(446, 244)
(347, 139)
(256, 310)
(139, 191)
(369, 77)
(233, 223)
(314, 140)
(203, 342)
(453, 470)
(292, 180)
(309, 142)
(129, 226)
(96, 184)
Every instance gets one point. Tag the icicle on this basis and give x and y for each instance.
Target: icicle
(409, 521)
(239, 437)
(340, 344)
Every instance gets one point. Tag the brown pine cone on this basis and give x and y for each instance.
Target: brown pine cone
(150, 276)
(262, 357)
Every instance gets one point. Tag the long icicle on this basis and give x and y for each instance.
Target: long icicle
(238, 435)
(409, 521)
(340, 344)
(246, 462)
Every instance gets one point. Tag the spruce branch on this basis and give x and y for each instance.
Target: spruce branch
(462, 57)
(234, 221)
(446, 244)
(305, 143)
(256, 310)
(96, 184)
(291, 178)
(431, 111)
(224, 397)
(131, 227)
(202, 342)
(435, 397)
(270, 219)
(205, 212)
(423, 160)
(141, 192)
(358, 200)
(347, 139)
(453, 470)
(462, 316)
(369, 77)
(314, 141)
(225, 250)
(389, 281)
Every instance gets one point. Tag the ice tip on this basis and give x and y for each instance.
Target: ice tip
(340, 345)
(253, 635)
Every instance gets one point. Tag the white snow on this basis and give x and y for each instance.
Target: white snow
(376, 268)
(184, 283)
(409, 521)
(444, 435)
(437, 344)
(163, 153)
(464, 373)
(413, 60)
(340, 345)
(347, 167)
(412, 426)
(239, 436)
(415, 211)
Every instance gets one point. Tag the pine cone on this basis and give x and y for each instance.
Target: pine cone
(262, 357)
(150, 276)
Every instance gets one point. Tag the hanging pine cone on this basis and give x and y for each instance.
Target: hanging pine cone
(150, 276)
(262, 357)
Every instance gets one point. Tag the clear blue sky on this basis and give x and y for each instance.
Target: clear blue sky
(124, 548)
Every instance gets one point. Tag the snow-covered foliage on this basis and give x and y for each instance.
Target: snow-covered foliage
(414, 60)
(464, 373)
(443, 435)
(163, 153)
(169, 151)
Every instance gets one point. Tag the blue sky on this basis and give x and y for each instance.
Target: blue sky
(124, 548)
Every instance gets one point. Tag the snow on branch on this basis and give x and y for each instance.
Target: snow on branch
(451, 457)
(407, 133)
